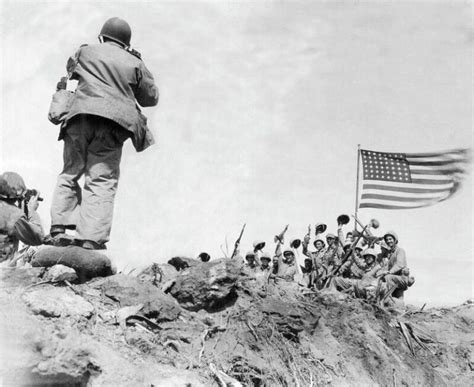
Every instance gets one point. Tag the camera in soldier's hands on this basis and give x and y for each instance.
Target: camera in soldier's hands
(30, 193)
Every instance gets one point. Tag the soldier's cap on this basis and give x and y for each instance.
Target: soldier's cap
(258, 242)
(320, 228)
(205, 257)
(288, 251)
(295, 243)
(391, 233)
(319, 240)
(369, 252)
(265, 257)
(328, 236)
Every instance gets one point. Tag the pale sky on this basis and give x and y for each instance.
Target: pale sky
(262, 107)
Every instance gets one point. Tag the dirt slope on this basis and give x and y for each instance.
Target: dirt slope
(226, 328)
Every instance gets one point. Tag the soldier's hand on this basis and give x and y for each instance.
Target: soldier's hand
(33, 203)
(306, 239)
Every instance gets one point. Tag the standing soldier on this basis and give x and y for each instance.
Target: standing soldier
(316, 256)
(16, 224)
(334, 251)
(112, 79)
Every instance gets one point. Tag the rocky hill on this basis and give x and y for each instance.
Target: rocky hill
(212, 325)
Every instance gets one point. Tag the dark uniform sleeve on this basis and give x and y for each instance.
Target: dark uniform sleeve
(146, 93)
(29, 231)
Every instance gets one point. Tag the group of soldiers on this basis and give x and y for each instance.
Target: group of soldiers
(358, 263)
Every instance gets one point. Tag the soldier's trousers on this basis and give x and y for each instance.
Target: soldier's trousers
(401, 281)
(343, 284)
(93, 149)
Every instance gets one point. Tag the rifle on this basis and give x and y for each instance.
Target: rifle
(369, 237)
(347, 255)
(237, 242)
(280, 237)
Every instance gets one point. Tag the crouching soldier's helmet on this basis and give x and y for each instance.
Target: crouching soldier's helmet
(12, 185)
(118, 30)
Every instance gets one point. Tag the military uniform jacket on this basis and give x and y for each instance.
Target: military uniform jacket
(111, 81)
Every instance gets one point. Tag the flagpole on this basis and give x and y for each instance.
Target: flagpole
(357, 186)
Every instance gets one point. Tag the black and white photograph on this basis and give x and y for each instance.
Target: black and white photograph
(236, 193)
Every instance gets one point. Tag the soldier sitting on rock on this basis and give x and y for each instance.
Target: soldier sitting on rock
(365, 287)
(17, 223)
(396, 274)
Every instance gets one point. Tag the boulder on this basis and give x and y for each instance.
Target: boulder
(129, 291)
(210, 286)
(58, 273)
(57, 302)
(87, 263)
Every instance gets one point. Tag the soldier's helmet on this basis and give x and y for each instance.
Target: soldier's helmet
(118, 30)
(12, 185)
(392, 234)
(319, 240)
(369, 252)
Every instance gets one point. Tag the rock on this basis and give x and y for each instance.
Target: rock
(290, 318)
(211, 285)
(87, 263)
(130, 291)
(58, 273)
(57, 302)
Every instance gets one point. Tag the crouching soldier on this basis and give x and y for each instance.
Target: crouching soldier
(354, 271)
(396, 274)
(366, 286)
(17, 223)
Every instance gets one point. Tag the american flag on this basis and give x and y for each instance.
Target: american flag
(397, 181)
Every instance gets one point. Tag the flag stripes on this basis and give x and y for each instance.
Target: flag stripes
(410, 180)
